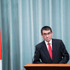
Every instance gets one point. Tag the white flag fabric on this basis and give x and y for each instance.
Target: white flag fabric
(0, 53)
(0, 64)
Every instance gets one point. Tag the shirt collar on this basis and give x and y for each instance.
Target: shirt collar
(49, 42)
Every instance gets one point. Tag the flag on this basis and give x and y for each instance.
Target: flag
(0, 53)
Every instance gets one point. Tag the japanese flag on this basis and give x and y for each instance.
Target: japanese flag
(0, 53)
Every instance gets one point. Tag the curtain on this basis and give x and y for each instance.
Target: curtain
(21, 22)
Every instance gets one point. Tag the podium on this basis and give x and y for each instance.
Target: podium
(47, 66)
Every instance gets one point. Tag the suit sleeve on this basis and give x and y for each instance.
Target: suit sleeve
(37, 55)
(65, 54)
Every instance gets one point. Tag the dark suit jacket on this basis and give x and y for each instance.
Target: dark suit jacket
(59, 53)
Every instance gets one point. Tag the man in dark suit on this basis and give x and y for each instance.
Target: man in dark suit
(50, 50)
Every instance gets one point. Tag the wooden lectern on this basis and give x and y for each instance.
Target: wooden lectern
(47, 66)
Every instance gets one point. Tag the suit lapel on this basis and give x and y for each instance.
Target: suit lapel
(53, 48)
(46, 50)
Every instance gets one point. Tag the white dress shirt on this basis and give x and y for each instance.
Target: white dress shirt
(47, 43)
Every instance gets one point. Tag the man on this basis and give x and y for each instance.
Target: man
(50, 50)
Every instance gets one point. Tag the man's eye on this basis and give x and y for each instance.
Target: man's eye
(44, 34)
(48, 33)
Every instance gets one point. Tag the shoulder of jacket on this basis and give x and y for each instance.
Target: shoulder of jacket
(39, 44)
(57, 39)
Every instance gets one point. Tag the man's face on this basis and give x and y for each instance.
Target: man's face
(47, 35)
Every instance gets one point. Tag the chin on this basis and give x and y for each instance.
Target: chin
(47, 40)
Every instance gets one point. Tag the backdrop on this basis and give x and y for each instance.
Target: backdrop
(21, 22)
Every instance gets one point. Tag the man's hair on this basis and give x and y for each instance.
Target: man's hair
(46, 28)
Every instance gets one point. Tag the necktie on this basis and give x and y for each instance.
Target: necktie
(50, 50)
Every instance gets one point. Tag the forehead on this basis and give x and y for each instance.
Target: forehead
(46, 31)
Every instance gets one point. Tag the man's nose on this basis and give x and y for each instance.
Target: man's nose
(46, 35)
